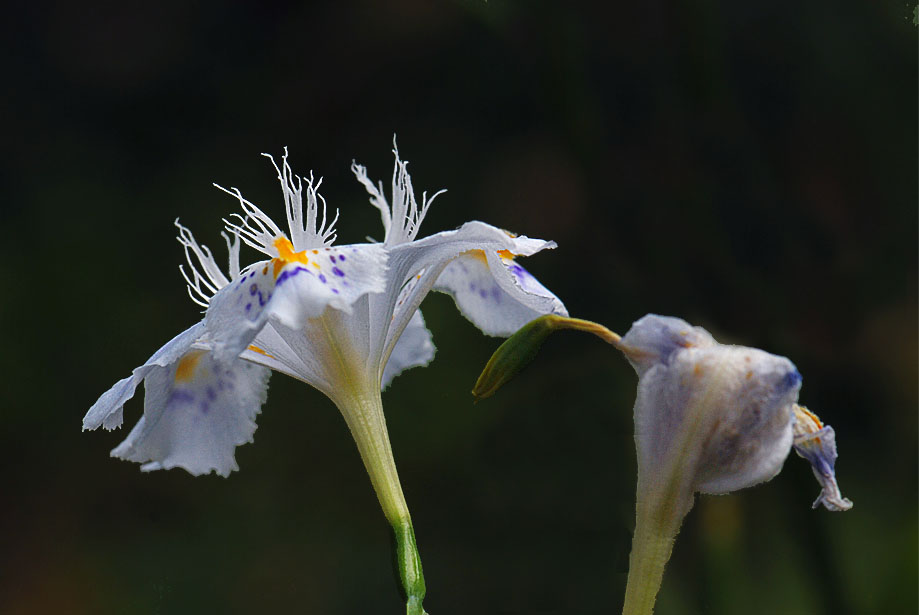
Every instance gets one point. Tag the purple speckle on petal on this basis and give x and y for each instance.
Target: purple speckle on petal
(322, 278)
(518, 270)
(483, 294)
(248, 306)
(253, 289)
(287, 273)
(496, 294)
(338, 272)
(181, 397)
(332, 256)
(211, 393)
(204, 407)
(335, 290)
(471, 287)
(342, 257)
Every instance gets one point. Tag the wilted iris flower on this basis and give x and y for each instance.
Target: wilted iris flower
(709, 417)
(715, 418)
(343, 319)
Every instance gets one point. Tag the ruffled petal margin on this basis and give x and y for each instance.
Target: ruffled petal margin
(495, 293)
(197, 409)
(413, 349)
(196, 412)
(108, 411)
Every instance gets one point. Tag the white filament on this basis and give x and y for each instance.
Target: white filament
(205, 277)
(402, 220)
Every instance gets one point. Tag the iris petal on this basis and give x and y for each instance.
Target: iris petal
(108, 411)
(498, 295)
(413, 349)
(196, 412)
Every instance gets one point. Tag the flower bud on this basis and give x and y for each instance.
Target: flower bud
(512, 355)
(519, 349)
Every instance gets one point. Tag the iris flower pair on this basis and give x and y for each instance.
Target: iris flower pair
(343, 319)
(709, 417)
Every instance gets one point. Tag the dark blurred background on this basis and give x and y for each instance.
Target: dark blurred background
(749, 167)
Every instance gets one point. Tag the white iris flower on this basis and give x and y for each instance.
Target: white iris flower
(343, 319)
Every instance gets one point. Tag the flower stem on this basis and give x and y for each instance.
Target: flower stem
(409, 563)
(364, 415)
(663, 501)
(652, 545)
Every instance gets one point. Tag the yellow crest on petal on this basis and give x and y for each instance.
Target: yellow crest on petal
(185, 370)
(286, 255)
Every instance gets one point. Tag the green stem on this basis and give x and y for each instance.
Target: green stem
(364, 416)
(409, 563)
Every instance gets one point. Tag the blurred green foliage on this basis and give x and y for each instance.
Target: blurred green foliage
(749, 167)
